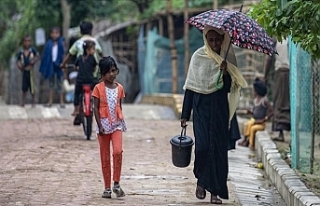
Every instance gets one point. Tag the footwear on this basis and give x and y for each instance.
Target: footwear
(215, 200)
(118, 191)
(278, 139)
(47, 105)
(77, 120)
(62, 106)
(244, 142)
(241, 141)
(106, 193)
(200, 193)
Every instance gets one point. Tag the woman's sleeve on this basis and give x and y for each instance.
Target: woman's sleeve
(227, 81)
(187, 104)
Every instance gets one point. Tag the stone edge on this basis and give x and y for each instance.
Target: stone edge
(171, 100)
(288, 183)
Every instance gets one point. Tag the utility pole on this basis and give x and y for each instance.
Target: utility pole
(186, 37)
(173, 49)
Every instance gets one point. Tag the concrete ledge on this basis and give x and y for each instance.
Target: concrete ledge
(171, 100)
(288, 183)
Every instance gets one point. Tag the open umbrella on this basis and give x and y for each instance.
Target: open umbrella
(244, 31)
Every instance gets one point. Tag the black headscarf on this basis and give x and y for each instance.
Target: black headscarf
(260, 87)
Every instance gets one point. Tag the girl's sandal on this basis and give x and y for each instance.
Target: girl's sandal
(118, 191)
(215, 200)
(200, 193)
(106, 193)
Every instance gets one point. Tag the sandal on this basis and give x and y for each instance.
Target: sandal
(200, 193)
(215, 200)
(106, 193)
(47, 105)
(278, 139)
(118, 191)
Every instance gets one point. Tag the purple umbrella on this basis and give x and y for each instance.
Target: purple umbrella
(244, 31)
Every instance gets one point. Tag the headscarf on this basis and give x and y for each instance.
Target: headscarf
(260, 87)
(205, 66)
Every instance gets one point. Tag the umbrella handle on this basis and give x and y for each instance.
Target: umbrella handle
(219, 85)
(225, 57)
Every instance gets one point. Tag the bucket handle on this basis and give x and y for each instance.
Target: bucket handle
(183, 134)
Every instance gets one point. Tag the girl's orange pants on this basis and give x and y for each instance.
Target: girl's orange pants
(104, 142)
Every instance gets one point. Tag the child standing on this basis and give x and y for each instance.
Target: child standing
(50, 64)
(261, 112)
(86, 65)
(26, 59)
(107, 96)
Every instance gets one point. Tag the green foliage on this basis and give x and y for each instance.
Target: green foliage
(19, 22)
(298, 18)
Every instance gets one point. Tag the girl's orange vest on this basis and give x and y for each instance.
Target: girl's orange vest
(100, 92)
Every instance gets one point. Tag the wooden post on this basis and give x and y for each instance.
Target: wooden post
(215, 4)
(173, 49)
(160, 25)
(66, 19)
(186, 38)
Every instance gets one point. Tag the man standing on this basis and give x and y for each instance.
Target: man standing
(280, 92)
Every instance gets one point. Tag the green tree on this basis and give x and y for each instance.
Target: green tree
(298, 18)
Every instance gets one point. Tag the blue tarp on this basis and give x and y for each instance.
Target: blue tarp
(154, 60)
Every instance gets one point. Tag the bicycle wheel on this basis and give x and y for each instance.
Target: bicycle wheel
(87, 126)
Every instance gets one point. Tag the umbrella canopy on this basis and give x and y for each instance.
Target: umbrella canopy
(244, 31)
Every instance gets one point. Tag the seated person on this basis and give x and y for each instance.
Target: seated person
(261, 112)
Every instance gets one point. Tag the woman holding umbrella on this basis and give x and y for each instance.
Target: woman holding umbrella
(209, 82)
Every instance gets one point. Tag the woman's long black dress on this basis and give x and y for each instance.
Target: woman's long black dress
(210, 125)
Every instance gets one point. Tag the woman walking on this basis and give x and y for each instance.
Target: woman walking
(207, 96)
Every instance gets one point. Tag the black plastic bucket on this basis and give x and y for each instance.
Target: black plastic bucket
(181, 149)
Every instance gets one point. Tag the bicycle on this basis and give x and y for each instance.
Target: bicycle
(86, 110)
(85, 115)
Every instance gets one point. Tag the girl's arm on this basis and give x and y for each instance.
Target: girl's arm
(96, 103)
(270, 109)
(121, 104)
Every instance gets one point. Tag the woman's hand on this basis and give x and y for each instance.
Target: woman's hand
(183, 122)
(223, 67)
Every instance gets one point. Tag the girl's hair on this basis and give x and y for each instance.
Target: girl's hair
(105, 64)
(87, 45)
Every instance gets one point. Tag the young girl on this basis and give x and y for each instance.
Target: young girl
(86, 64)
(261, 112)
(107, 96)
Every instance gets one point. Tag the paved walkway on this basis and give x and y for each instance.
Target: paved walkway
(48, 162)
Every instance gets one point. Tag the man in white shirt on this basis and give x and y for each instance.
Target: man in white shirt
(77, 48)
